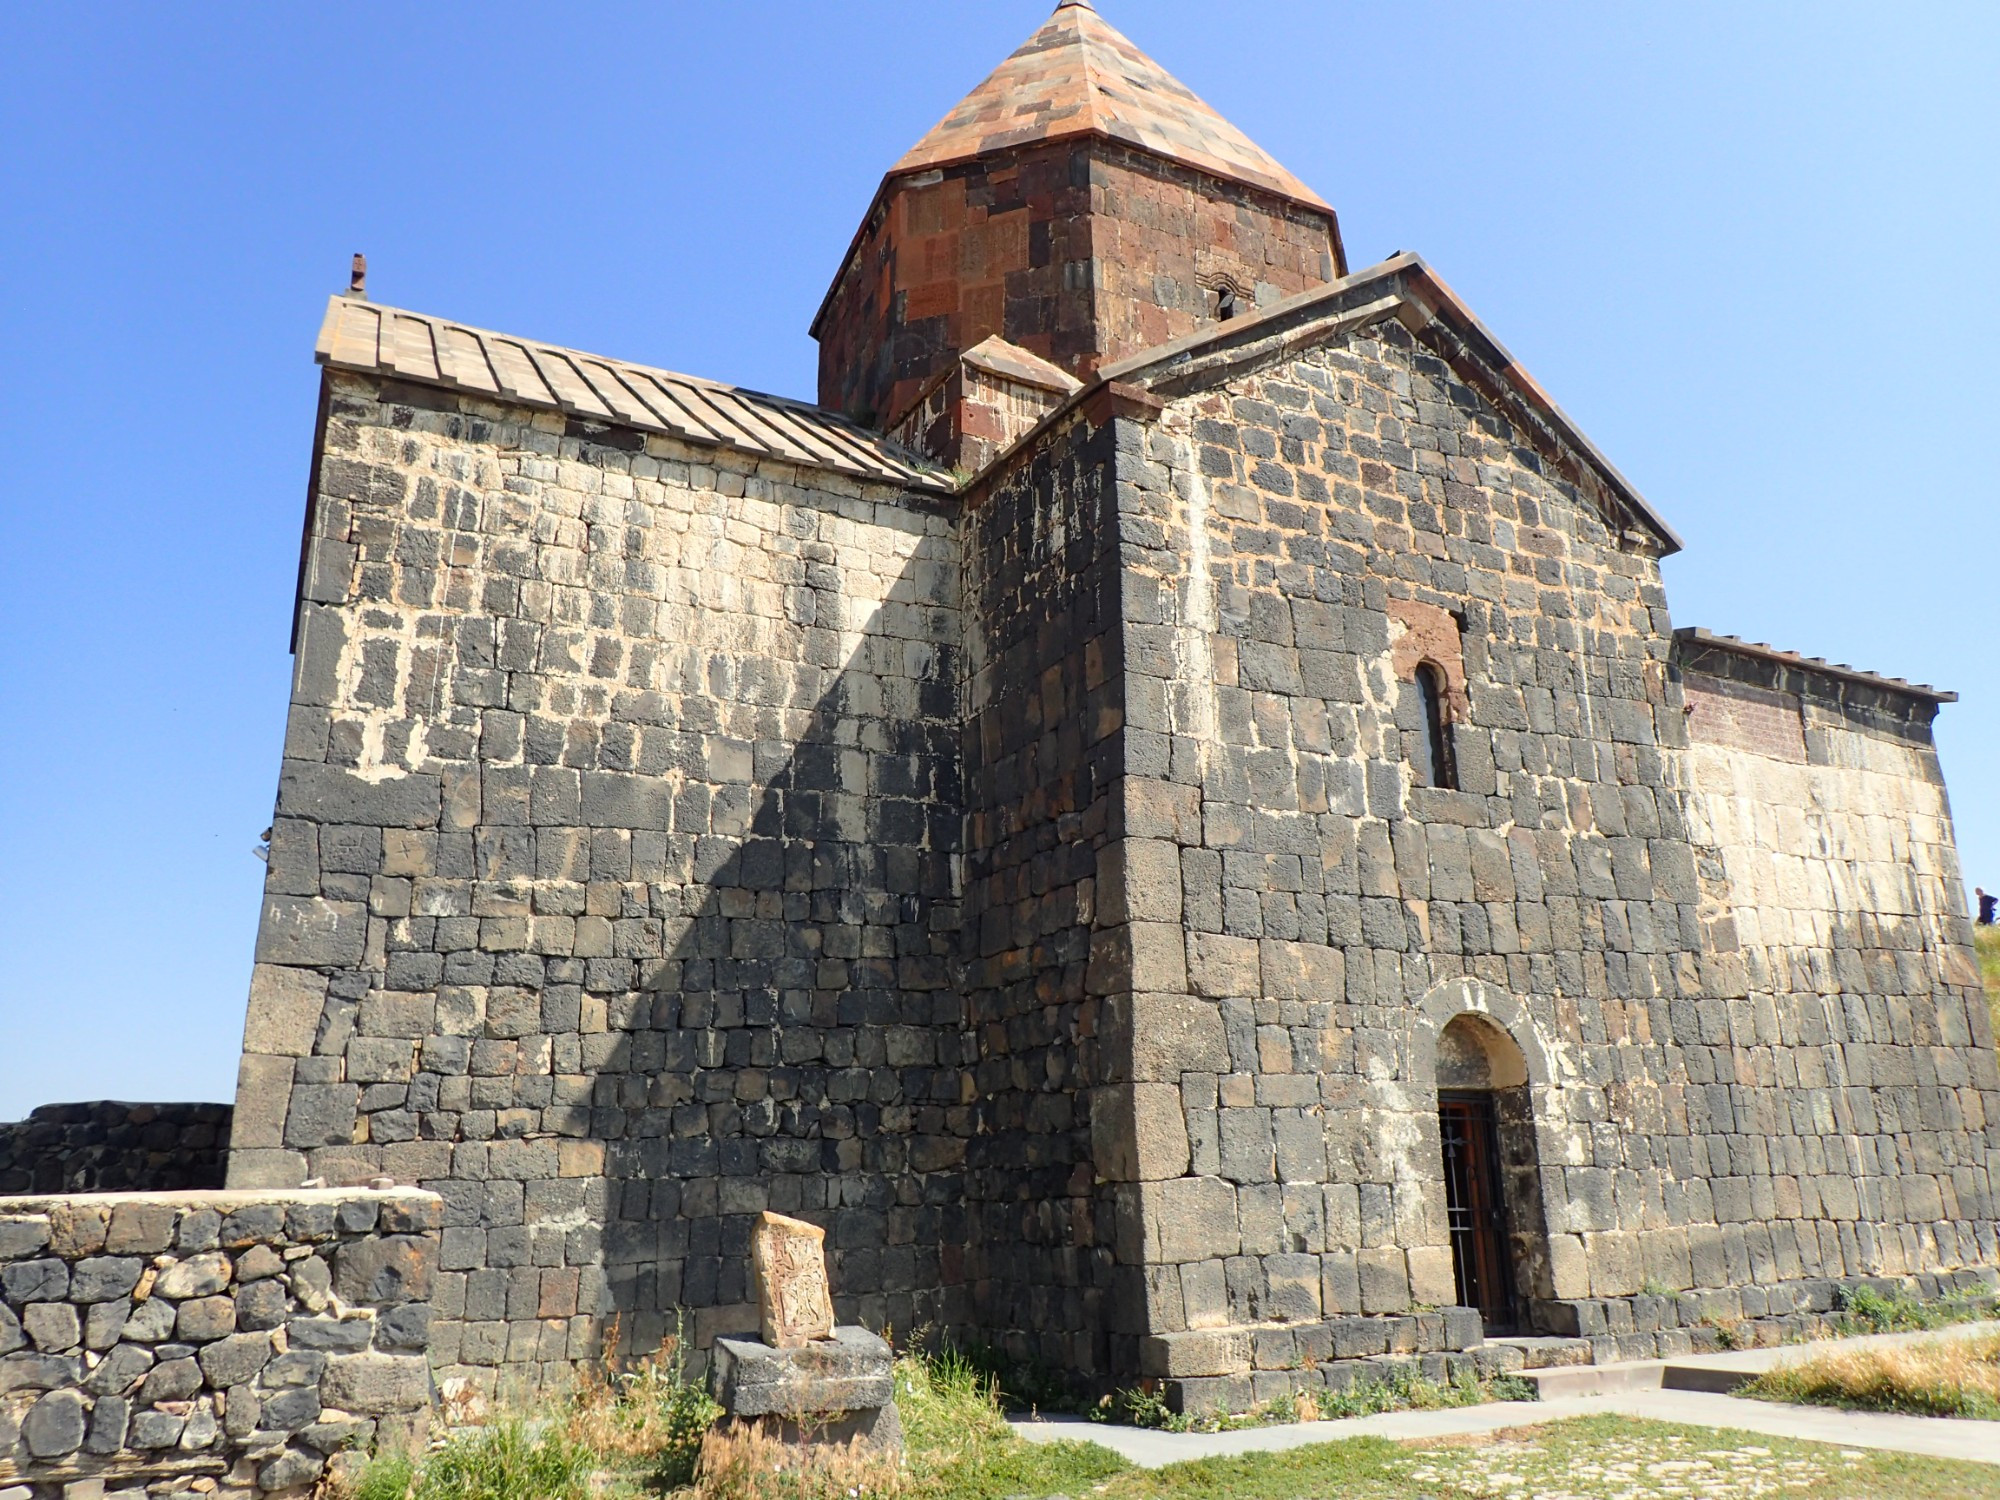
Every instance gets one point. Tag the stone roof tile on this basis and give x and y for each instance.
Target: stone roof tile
(371, 339)
(1079, 76)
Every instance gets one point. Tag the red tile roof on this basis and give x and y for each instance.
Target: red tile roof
(1079, 76)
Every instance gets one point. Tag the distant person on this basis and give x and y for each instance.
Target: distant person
(1986, 906)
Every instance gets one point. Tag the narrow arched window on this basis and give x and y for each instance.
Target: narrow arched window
(1225, 302)
(1433, 759)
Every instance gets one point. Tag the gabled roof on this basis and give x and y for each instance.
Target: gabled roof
(996, 356)
(374, 340)
(1402, 288)
(1406, 289)
(1079, 76)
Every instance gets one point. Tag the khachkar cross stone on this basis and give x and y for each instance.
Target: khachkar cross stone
(807, 1382)
(794, 1300)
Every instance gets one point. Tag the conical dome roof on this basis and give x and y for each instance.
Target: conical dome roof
(1079, 76)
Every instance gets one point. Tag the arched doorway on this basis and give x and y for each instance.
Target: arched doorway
(1492, 1182)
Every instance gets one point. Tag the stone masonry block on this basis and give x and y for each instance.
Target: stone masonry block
(1339, 1283)
(263, 1097)
(1139, 880)
(327, 794)
(1385, 1280)
(1138, 1132)
(322, 1115)
(1301, 971)
(1569, 1265)
(852, 1371)
(1168, 1035)
(308, 930)
(1664, 1258)
(1432, 1281)
(385, 1271)
(1138, 957)
(1222, 1351)
(22, 1237)
(284, 1013)
(376, 1384)
(1616, 1269)
(1223, 967)
(1190, 1219)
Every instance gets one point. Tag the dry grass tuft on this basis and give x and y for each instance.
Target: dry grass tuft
(648, 1415)
(750, 1463)
(1937, 1378)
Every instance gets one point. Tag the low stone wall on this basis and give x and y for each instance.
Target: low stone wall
(109, 1147)
(1234, 1369)
(1671, 1324)
(227, 1345)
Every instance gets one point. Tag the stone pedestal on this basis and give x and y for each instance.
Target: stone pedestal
(829, 1391)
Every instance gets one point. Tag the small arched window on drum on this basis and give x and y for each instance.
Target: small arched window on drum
(1433, 761)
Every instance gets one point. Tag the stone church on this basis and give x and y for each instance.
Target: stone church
(1166, 812)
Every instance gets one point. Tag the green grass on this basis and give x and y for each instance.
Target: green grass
(961, 1448)
(959, 1444)
(503, 1462)
(1592, 1458)
(1862, 1310)
(1403, 1391)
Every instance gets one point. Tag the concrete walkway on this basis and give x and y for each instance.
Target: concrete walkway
(1682, 1390)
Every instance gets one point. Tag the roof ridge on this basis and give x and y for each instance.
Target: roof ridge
(1093, 84)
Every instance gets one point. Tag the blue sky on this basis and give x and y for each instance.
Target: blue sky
(1750, 249)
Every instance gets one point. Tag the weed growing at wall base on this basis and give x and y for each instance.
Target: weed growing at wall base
(640, 1433)
(650, 1417)
(1401, 1391)
(507, 1461)
(1862, 1310)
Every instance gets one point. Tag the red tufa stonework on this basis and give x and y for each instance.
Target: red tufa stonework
(1089, 232)
(1425, 633)
(1740, 716)
(992, 398)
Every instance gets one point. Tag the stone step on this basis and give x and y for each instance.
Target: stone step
(1596, 1380)
(1540, 1353)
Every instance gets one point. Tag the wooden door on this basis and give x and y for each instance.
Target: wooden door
(1475, 1209)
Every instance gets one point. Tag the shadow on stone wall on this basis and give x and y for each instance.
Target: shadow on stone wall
(111, 1147)
(798, 1045)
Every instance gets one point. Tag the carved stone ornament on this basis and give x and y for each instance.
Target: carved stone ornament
(794, 1301)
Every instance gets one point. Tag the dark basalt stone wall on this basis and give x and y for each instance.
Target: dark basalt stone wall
(109, 1147)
